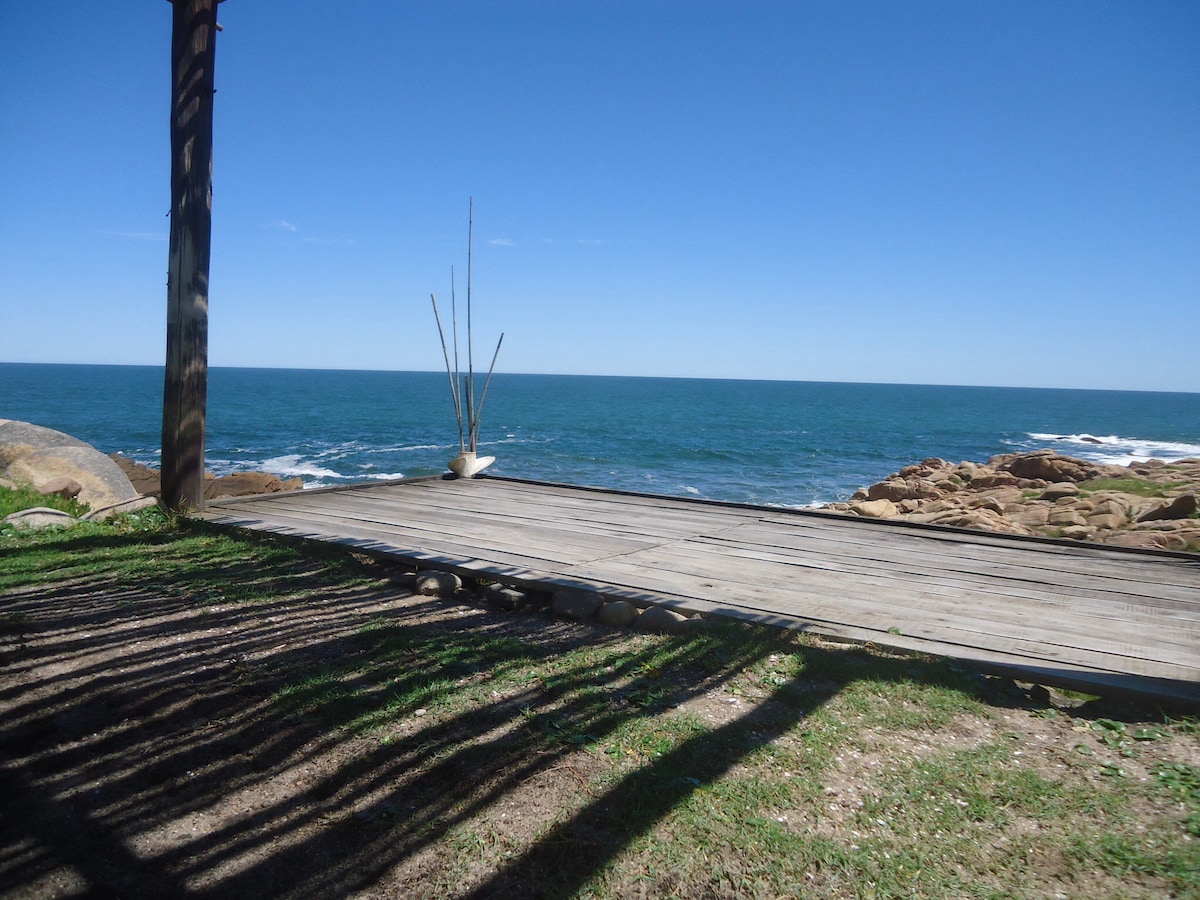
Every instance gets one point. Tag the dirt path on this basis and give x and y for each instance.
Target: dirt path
(142, 756)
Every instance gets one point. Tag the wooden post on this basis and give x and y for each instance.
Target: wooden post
(185, 390)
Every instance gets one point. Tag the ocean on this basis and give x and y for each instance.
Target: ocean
(790, 444)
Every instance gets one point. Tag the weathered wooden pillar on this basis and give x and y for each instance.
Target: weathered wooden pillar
(185, 390)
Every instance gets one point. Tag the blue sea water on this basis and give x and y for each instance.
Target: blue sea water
(764, 442)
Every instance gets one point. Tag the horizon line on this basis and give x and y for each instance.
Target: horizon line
(441, 373)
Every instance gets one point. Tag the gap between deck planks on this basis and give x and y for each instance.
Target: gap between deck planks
(1083, 614)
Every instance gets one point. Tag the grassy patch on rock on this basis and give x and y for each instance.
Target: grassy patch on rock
(1140, 487)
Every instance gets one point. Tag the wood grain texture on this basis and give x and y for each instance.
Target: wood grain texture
(1063, 613)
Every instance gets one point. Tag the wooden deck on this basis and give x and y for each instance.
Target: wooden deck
(1058, 613)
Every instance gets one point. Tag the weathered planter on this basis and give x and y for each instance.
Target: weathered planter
(467, 464)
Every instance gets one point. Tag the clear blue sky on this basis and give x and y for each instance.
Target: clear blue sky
(962, 193)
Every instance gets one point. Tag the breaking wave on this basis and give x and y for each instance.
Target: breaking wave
(1114, 450)
(293, 465)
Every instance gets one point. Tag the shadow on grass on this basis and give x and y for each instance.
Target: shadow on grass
(337, 733)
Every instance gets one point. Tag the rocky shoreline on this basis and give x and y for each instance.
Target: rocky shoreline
(1149, 505)
(145, 480)
(51, 462)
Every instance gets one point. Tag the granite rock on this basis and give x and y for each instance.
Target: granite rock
(1044, 493)
(660, 620)
(617, 614)
(436, 584)
(576, 603)
(33, 455)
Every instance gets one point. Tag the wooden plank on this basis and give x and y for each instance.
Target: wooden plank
(845, 600)
(1123, 618)
(1009, 581)
(557, 539)
(481, 534)
(1108, 615)
(868, 532)
(555, 543)
(403, 513)
(982, 549)
(544, 538)
(416, 545)
(1047, 597)
(1064, 671)
(905, 545)
(905, 608)
(577, 513)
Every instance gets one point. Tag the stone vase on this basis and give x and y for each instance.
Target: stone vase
(467, 464)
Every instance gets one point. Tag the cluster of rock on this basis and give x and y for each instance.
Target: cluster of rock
(576, 604)
(51, 462)
(55, 463)
(239, 484)
(1045, 494)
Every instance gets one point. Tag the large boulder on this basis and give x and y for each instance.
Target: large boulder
(875, 509)
(240, 484)
(660, 620)
(576, 603)
(1049, 466)
(40, 517)
(895, 490)
(617, 614)
(145, 479)
(31, 454)
(987, 480)
(1181, 507)
(1065, 517)
(18, 439)
(244, 484)
(432, 583)
(1139, 540)
(1059, 491)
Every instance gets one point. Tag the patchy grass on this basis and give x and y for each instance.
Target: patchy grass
(1183, 780)
(162, 553)
(1140, 487)
(14, 500)
(253, 719)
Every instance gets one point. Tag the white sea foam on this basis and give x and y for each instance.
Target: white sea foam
(221, 467)
(293, 465)
(514, 439)
(349, 448)
(340, 452)
(1114, 450)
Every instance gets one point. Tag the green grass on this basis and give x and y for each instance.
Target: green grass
(15, 500)
(1138, 486)
(168, 555)
(734, 761)
(1183, 780)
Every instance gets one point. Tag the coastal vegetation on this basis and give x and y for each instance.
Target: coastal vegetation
(189, 711)
(18, 498)
(1140, 487)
